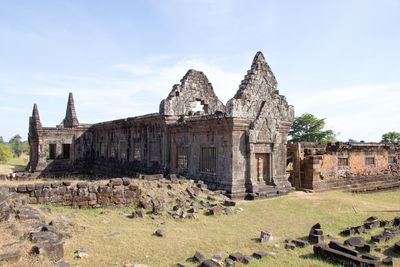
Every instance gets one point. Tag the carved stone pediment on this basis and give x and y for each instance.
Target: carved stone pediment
(258, 99)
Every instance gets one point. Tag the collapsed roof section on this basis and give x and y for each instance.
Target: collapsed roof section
(194, 94)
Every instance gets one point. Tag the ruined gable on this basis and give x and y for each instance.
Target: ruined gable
(259, 100)
(194, 88)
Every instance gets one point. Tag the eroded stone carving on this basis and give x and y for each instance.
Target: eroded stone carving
(258, 99)
(194, 87)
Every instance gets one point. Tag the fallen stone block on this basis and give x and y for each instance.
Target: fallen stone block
(290, 246)
(325, 252)
(230, 203)
(366, 248)
(229, 262)
(396, 221)
(371, 225)
(396, 247)
(112, 235)
(266, 236)
(370, 257)
(52, 250)
(316, 234)
(215, 210)
(160, 233)
(43, 237)
(300, 243)
(339, 247)
(384, 223)
(355, 241)
(378, 238)
(138, 213)
(246, 259)
(371, 219)
(209, 263)
(387, 261)
(237, 256)
(199, 257)
(10, 258)
(260, 254)
(348, 231)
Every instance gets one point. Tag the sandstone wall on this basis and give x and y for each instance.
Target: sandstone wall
(340, 165)
(118, 192)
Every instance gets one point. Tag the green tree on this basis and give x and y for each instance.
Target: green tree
(16, 145)
(5, 153)
(1, 140)
(307, 128)
(391, 137)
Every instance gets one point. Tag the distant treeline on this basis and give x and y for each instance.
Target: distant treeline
(13, 148)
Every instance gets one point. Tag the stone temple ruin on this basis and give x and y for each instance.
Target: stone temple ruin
(239, 147)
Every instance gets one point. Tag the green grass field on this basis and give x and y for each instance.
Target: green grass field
(18, 164)
(286, 217)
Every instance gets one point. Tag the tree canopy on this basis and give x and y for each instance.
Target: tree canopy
(5, 153)
(16, 146)
(308, 128)
(391, 137)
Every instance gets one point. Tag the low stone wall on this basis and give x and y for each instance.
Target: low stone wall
(117, 192)
(355, 182)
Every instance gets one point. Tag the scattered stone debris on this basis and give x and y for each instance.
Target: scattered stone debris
(347, 256)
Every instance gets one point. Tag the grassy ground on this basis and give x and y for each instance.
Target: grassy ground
(18, 164)
(287, 216)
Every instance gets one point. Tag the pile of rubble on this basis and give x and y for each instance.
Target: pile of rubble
(36, 237)
(180, 199)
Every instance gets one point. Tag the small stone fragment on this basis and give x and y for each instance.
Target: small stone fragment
(387, 261)
(199, 257)
(259, 254)
(160, 233)
(266, 236)
(355, 241)
(112, 235)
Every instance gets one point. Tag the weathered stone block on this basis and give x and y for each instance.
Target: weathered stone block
(52, 250)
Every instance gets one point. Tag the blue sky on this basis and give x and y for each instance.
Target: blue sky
(338, 60)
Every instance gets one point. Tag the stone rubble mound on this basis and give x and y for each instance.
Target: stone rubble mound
(180, 199)
(38, 238)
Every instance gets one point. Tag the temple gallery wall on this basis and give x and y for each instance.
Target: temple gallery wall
(239, 147)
